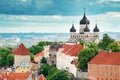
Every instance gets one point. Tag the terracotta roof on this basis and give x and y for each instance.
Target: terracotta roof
(42, 77)
(107, 58)
(40, 54)
(72, 50)
(22, 50)
(66, 48)
(18, 76)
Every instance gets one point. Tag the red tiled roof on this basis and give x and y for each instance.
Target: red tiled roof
(66, 48)
(40, 54)
(72, 50)
(108, 58)
(22, 50)
(75, 50)
(18, 76)
(42, 77)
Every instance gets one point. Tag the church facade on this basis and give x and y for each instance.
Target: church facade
(84, 32)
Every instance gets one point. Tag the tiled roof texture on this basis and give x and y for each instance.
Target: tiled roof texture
(106, 58)
(72, 50)
(40, 54)
(18, 76)
(22, 50)
(42, 77)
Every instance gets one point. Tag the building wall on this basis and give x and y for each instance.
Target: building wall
(23, 69)
(46, 51)
(52, 57)
(103, 72)
(21, 58)
(64, 62)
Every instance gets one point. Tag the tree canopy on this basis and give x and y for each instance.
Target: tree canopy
(82, 42)
(105, 42)
(44, 60)
(114, 47)
(52, 73)
(85, 56)
(4, 55)
(39, 47)
(10, 60)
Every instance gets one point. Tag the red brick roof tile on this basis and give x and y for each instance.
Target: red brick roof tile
(42, 77)
(107, 58)
(22, 50)
(18, 76)
(72, 50)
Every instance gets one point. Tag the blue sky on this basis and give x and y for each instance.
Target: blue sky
(57, 15)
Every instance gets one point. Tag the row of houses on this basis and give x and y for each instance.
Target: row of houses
(104, 66)
(23, 68)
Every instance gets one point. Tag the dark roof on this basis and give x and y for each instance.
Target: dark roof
(72, 28)
(84, 20)
(86, 29)
(96, 29)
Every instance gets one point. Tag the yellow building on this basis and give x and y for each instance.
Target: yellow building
(24, 67)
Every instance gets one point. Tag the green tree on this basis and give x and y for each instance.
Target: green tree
(10, 60)
(43, 69)
(94, 46)
(31, 57)
(85, 56)
(105, 42)
(59, 75)
(4, 52)
(35, 49)
(44, 60)
(114, 47)
(82, 42)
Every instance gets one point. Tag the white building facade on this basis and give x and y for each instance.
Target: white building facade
(66, 55)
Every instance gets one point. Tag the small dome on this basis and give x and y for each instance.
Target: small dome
(96, 29)
(84, 20)
(72, 29)
(86, 29)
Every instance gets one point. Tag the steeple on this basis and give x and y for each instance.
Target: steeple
(72, 28)
(86, 29)
(96, 29)
(84, 20)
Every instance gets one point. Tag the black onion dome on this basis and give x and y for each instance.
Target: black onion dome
(86, 29)
(84, 20)
(72, 28)
(96, 29)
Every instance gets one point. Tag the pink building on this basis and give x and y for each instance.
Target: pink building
(105, 66)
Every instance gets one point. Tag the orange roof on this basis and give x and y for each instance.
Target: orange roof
(40, 54)
(18, 76)
(72, 50)
(42, 77)
(66, 47)
(22, 50)
(108, 58)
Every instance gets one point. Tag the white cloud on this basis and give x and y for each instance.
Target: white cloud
(106, 1)
(106, 22)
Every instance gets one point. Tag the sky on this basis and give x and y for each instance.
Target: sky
(57, 16)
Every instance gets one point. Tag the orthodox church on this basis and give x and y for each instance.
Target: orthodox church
(84, 32)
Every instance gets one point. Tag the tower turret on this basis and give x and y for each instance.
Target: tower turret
(83, 23)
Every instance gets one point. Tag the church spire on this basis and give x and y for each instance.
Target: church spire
(84, 20)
